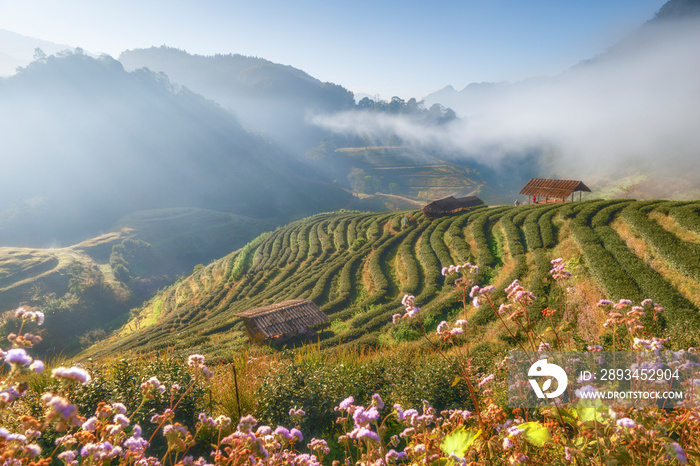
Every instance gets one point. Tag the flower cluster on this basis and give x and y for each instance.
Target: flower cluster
(75, 374)
(446, 332)
(265, 445)
(12, 386)
(196, 361)
(623, 314)
(453, 269)
(518, 294)
(558, 271)
(372, 432)
(409, 303)
(152, 386)
(30, 315)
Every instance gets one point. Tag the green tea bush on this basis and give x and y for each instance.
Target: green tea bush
(687, 216)
(683, 255)
(601, 263)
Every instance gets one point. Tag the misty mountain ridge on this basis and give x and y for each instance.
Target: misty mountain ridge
(17, 50)
(630, 112)
(673, 11)
(88, 142)
(268, 98)
(677, 9)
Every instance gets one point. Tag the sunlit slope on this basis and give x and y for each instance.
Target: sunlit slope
(86, 143)
(179, 237)
(411, 172)
(92, 285)
(356, 267)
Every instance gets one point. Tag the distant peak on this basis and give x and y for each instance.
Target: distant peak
(678, 9)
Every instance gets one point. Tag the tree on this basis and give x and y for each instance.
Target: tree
(396, 105)
(361, 182)
(366, 104)
(39, 55)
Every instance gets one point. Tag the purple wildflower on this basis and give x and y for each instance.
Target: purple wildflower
(296, 434)
(319, 445)
(18, 356)
(365, 433)
(282, 432)
(32, 450)
(399, 412)
(67, 456)
(364, 416)
(121, 420)
(345, 404)
(90, 425)
(195, 360)
(245, 424)
(60, 406)
(71, 373)
(393, 456)
(677, 452)
(626, 422)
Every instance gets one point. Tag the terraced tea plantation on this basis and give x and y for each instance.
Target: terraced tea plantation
(357, 266)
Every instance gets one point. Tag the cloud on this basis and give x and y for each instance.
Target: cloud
(637, 105)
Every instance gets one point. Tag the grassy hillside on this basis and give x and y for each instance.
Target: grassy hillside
(100, 279)
(410, 172)
(356, 266)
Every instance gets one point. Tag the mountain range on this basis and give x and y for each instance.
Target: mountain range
(173, 149)
(87, 142)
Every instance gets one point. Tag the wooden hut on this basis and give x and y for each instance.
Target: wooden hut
(540, 190)
(450, 205)
(281, 321)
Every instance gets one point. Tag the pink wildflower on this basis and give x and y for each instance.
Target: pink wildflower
(486, 380)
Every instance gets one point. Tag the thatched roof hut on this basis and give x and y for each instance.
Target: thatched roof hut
(281, 321)
(552, 190)
(450, 205)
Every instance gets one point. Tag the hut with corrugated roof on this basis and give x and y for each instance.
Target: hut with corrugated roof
(278, 322)
(543, 191)
(450, 205)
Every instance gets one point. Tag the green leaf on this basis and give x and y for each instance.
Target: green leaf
(535, 433)
(457, 442)
(588, 410)
(457, 380)
(569, 415)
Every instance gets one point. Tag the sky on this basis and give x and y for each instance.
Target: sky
(407, 48)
